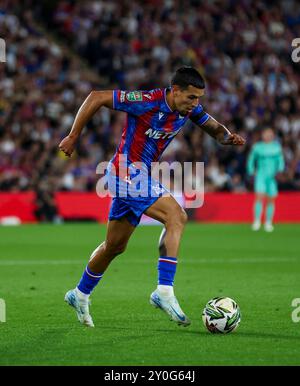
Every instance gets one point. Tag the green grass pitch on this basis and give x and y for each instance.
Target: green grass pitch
(39, 263)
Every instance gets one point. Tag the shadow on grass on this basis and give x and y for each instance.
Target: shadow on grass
(237, 334)
(203, 333)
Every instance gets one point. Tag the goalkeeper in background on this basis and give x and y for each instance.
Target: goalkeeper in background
(264, 162)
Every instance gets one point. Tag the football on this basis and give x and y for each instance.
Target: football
(221, 315)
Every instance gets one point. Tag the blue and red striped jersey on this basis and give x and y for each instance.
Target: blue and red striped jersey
(151, 124)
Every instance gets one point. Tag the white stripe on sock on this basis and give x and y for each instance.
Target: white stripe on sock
(95, 276)
(168, 261)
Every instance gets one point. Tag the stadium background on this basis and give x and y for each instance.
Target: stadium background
(56, 53)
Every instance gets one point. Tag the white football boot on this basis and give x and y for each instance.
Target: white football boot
(268, 227)
(169, 304)
(81, 306)
(256, 226)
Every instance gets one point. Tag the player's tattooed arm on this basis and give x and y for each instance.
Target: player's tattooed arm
(89, 107)
(221, 133)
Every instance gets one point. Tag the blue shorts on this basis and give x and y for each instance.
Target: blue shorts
(130, 208)
(131, 198)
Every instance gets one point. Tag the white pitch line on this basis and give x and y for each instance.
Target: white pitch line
(247, 260)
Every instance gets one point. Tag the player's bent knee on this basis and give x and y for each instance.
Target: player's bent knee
(115, 249)
(181, 217)
(177, 219)
(184, 216)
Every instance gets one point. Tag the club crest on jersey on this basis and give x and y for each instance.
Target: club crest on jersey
(134, 96)
(158, 134)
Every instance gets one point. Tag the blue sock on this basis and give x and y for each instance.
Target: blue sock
(89, 281)
(166, 270)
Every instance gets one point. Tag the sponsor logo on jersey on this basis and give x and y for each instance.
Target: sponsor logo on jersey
(158, 134)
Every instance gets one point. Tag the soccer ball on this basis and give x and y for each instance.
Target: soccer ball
(221, 315)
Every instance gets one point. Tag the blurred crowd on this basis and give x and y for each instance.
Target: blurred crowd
(58, 51)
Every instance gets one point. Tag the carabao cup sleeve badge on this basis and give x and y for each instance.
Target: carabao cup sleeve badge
(134, 96)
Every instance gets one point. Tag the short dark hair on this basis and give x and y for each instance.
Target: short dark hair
(186, 76)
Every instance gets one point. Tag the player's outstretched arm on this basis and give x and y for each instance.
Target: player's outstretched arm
(90, 106)
(221, 133)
